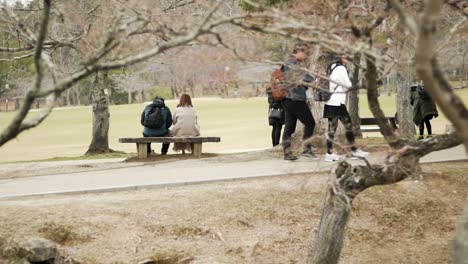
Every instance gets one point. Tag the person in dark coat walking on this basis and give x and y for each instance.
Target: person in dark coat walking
(162, 131)
(295, 103)
(424, 109)
(275, 117)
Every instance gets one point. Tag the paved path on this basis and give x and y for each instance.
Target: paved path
(158, 175)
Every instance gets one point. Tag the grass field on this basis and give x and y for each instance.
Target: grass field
(241, 124)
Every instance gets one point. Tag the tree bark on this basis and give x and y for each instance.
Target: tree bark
(330, 236)
(354, 99)
(461, 241)
(347, 181)
(129, 95)
(67, 97)
(316, 107)
(100, 141)
(404, 109)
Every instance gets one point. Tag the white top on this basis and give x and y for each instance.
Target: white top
(339, 85)
(185, 122)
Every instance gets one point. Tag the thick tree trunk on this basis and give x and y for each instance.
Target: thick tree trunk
(100, 140)
(330, 235)
(316, 107)
(404, 109)
(461, 241)
(354, 99)
(317, 112)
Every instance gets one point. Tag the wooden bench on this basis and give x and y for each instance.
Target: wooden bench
(371, 124)
(195, 142)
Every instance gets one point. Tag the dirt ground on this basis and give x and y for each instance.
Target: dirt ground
(269, 220)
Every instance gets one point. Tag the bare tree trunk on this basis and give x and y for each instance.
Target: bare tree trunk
(175, 92)
(461, 241)
(354, 99)
(404, 108)
(143, 95)
(129, 92)
(100, 140)
(462, 72)
(329, 239)
(77, 96)
(316, 107)
(67, 97)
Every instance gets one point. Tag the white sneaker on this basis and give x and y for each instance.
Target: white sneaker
(331, 157)
(359, 153)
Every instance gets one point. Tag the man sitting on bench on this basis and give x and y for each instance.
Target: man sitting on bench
(156, 120)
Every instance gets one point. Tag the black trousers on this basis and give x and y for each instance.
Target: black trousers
(297, 110)
(276, 134)
(427, 121)
(164, 149)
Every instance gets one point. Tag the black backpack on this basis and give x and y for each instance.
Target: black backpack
(323, 92)
(154, 118)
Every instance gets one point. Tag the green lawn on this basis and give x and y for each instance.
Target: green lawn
(241, 124)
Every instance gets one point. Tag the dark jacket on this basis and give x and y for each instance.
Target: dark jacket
(272, 104)
(157, 132)
(423, 105)
(294, 75)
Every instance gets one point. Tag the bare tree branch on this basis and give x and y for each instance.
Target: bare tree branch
(17, 126)
(407, 20)
(19, 57)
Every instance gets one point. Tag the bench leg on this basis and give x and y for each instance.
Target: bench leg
(142, 150)
(196, 150)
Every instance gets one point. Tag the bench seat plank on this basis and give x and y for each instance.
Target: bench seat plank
(169, 139)
(195, 143)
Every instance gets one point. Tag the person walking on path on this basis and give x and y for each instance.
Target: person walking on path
(424, 109)
(275, 118)
(295, 104)
(156, 119)
(335, 109)
(185, 123)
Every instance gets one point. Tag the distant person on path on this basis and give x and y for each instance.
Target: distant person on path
(185, 122)
(275, 118)
(156, 120)
(424, 109)
(295, 103)
(335, 108)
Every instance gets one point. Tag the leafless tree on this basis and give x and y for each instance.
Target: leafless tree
(113, 50)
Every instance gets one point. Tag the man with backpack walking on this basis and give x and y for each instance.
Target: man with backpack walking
(295, 102)
(156, 120)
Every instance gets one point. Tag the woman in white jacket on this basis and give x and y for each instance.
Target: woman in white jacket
(184, 122)
(335, 109)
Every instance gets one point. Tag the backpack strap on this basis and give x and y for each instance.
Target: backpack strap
(335, 65)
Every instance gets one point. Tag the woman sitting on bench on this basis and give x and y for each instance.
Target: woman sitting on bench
(185, 123)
